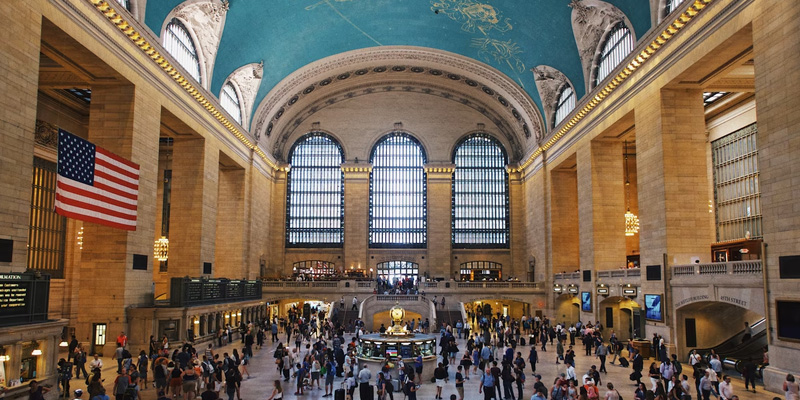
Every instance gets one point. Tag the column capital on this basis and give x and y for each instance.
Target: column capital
(440, 170)
(356, 170)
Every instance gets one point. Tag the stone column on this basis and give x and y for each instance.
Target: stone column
(564, 220)
(356, 216)
(193, 211)
(230, 240)
(520, 254)
(125, 121)
(673, 182)
(277, 237)
(776, 48)
(440, 194)
(18, 100)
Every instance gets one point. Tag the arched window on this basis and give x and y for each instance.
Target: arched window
(564, 105)
(230, 102)
(315, 194)
(125, 3)
(394, 270)
(617, 46)
(398, 193)
(480, 193)
(179, 44)
(672, 5)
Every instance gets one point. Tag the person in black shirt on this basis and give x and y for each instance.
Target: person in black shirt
(440, 374)
(460, 383)
(37, 392)
(209, 394)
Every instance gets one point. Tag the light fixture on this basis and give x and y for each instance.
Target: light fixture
(602, 289)
(558, 288)
(197, 322)
(4, 358)
(36, 351)
(161, 249)
(63, 344)
(631, 220)
(80, 238)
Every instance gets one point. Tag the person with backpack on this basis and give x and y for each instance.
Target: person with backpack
(121, 384)
(519, 377)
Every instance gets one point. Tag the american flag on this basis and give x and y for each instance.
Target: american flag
(95, 185)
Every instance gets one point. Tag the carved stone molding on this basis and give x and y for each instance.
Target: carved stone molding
(591, 22)
(280, 140)
(549, 82)
(46, 134)
(206, 20)
(247, 80)
(407, 60)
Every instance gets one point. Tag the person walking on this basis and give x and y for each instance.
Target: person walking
(602, 352)
(791, 388)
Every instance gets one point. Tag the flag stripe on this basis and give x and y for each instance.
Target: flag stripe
(97, 205)
(90, 191)
(114, 181)
(104, 184)
(129, 166)
(94, 206)
(116, 174)
(102, 220)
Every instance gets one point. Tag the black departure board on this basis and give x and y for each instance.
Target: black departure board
(23, 298)
(195, 291)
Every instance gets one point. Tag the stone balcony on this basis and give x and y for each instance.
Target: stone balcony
(746, 271)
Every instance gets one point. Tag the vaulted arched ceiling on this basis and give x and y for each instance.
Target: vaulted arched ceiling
(512, 36)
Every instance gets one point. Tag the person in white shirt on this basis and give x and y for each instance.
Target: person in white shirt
(694, 358)
(571, 372)
(725, 388)
(713, 379)
(96, 364)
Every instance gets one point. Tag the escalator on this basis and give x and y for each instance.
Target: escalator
(732, 352)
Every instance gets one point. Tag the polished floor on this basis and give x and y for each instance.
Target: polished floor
(263, 372)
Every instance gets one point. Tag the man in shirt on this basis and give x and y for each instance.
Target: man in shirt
(601, 352)
(725, 388)
(122, 340)
(460, 383)
(96, 364)
(487, 386)
(364, 376)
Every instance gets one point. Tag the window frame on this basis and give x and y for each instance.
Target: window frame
(290, 178)
(190, 50)
(561, 101)
(235, 101)
(373, 210)
(607, 51)
(453, 207)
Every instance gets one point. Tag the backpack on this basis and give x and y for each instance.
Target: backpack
(130, 393)
(678, 367)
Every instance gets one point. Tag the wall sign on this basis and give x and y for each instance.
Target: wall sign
(192, 291)
(23, 298)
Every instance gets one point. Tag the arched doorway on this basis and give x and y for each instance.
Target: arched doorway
(712, 324)
(568, 309)
(397, 271)
(616, 314)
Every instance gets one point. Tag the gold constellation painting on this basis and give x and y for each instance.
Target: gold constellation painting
(473, 16)
(501, 52)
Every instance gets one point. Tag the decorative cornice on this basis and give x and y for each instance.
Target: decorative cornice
(443, 169)
(46, 134)
(356, 168)
(151, 51)
(636, 61)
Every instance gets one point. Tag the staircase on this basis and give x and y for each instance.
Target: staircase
(345, 317)
(447, 316)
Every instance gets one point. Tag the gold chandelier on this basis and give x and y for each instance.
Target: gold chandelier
(631, 220)
(161, 249)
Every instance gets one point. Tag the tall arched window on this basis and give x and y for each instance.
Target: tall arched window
(398, 193)
(315, 195)
(564, 105)
(179, 44)
(480, 193)
(125, 3)
(672, 5)
(230, 102)
(398, 270)
(617, 46)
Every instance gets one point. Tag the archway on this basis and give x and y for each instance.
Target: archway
(712, 324)
(494, 308)
(568, 309)
(616, 314)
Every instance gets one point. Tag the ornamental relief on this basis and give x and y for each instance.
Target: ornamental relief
(590, 21)
(206, 19)
(515, 146)
(549, 83)
(248, 80)
(532, 123)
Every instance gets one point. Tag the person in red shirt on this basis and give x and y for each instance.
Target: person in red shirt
(122, 340)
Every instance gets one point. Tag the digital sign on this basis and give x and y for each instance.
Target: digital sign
(23, 298)
(191, 291)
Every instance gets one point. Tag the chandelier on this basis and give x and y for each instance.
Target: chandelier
(631, 220)
(161, 249)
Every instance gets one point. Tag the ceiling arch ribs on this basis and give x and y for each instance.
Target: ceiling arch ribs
(247, 79)
(550, 82)
(390, 63)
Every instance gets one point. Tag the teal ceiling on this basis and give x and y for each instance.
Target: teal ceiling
(510, 35)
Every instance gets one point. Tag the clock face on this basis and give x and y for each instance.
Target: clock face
(397, 313)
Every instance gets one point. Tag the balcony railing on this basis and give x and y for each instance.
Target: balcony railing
(397, 298)
(620, 273)
(750, 267)
(567, 275)
(429, 285)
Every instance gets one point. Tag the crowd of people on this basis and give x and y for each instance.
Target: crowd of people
(500, 352)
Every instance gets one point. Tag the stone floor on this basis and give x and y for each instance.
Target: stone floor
(263, 372)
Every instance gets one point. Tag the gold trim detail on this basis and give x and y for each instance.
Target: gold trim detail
(632, 66)
(148, 49)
